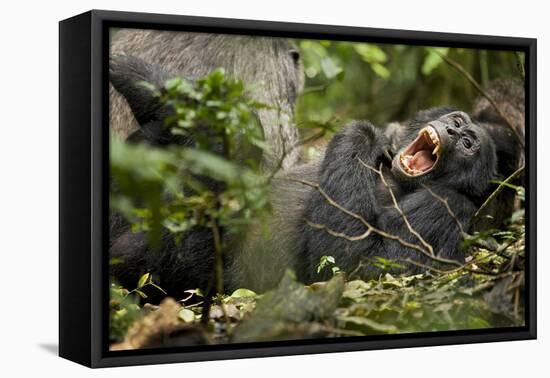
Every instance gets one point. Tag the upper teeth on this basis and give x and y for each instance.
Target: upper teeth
(405, 159)
(432, 134)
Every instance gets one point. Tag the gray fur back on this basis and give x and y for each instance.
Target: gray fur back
(261, 260)
(268, 66)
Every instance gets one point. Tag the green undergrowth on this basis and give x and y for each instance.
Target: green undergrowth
(486, 292)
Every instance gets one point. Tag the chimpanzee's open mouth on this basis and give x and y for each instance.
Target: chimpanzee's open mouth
(422, 154)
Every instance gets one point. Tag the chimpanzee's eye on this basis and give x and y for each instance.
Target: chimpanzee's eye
(457, 122)
(467, 143)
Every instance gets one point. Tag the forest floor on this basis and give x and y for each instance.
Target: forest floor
(486, 292)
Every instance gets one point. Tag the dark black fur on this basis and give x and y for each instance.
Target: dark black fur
(461, 176)
(509, 95)
(176, 265)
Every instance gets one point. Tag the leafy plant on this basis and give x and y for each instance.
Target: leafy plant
(124, 307)
(123, 311)
(213, 181)
(325, 262)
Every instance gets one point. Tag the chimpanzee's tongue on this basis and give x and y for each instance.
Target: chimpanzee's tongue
(422, 160)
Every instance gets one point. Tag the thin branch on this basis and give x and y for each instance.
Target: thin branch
(516, 304)
(279, 165)
(483, 92)
(285, 153)
(311, 138)
(370, 227)
(428, 267)
(427, 245)
(338, 234)
(445, 202)
(219, 268)
(332, 202)
(314, 89)
(498, 189)
(484, 286)
(446, 271)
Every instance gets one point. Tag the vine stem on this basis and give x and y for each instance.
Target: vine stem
(218, 246)
(483, 92)
(498, 189)
(370, 227)
(426, 245)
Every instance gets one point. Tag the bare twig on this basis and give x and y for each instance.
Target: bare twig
(516, 304)
(445, 202)
(369, 226)
(312, 138)
(501, 249)
(285, 153)
(483, 92)
(339, 234)
(219, 268)
(498, 189)
(446, 271)
(518, 280)
(279, 165)
(484, 286)
(428, 267)
(427, 245)
(315, 89)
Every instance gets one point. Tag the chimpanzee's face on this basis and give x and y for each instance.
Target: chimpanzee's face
(447, 147)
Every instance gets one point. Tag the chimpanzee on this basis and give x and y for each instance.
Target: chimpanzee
(443, 156)
(509, 96)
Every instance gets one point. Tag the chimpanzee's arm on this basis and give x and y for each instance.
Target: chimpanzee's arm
(429, 217)
(342, 175)
(352, 186)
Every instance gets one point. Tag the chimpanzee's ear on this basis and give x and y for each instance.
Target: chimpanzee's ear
(128, 75)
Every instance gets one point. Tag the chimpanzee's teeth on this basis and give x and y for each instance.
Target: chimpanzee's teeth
(431, 134)
(405, 159)
(426, 132)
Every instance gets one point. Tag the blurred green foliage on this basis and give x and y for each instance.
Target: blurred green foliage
(123, 311)
(385, 83)
(214, 180)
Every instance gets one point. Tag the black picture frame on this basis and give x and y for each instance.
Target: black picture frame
(83, 196)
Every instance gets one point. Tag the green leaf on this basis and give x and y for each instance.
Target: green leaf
(370, 53)
(147, 85)
(143, 280)
(141, 294)
(242, 293)
(186, 315)
(517, 216)
(356, 289)
(368, 323)
(330, 69)
(173, 83)
(157, 287)
(380, 70)
(433, 59)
